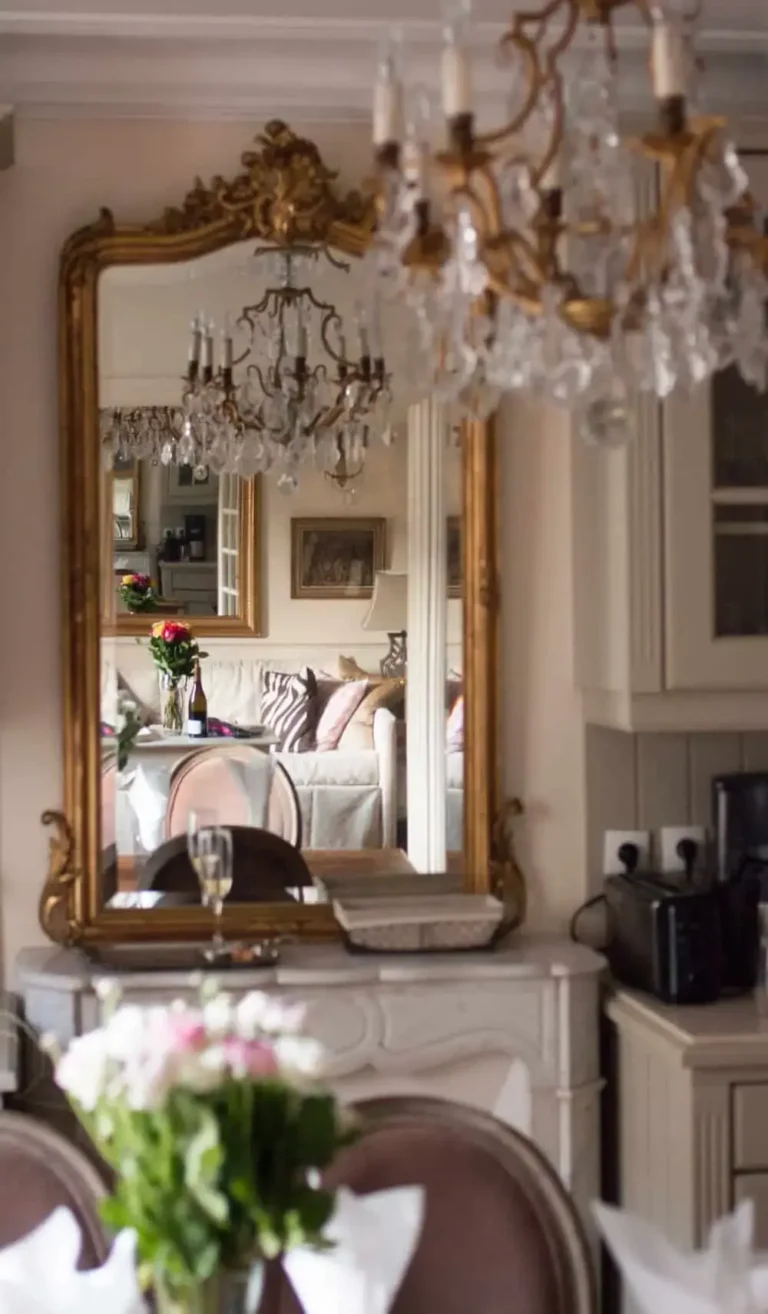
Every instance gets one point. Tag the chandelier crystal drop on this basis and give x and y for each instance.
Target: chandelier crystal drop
(526, 254)
(293, 393)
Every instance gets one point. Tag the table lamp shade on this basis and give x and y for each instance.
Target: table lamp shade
(389, 605)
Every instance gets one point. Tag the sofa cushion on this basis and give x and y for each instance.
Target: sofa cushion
(289, 707)
(358, 735)
(338, 712)
(454, 730)
(338, 768)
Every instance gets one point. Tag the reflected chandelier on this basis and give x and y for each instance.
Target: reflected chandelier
(270, 406)
(525, 252)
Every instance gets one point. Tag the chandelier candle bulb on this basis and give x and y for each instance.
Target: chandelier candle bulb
(456, 78)
(208, 349)
(226, 347)
(194, 346)
(551, 179)
(669, 61)
(387, 105)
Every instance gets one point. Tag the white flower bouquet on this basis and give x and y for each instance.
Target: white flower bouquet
(211, 1117)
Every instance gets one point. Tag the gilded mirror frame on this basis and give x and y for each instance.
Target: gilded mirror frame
(284, 193)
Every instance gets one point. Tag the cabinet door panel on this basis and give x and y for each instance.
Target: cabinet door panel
(716, 528)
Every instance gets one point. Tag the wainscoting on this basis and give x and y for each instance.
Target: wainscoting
(651, 780)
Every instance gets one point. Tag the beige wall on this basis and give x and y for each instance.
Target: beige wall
(542, 730)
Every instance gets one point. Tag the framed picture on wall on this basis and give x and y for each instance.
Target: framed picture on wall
(453, 549)
(336, 558)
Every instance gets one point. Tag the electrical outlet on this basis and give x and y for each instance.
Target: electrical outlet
(612, 864)
(670, 837)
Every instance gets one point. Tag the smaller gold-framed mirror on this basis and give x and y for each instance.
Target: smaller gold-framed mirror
(124, 496)
(300, 632)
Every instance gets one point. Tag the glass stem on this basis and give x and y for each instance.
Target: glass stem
(218, 938)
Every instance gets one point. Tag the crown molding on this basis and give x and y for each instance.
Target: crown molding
(204, 67)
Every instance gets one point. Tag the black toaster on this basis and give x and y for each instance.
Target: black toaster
(665, 936)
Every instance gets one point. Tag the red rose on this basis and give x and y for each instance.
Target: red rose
(175, 632)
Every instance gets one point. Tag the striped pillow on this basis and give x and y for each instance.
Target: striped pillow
(289, 708)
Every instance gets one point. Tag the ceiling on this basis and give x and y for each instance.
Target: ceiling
(731, 21)
(248, 58)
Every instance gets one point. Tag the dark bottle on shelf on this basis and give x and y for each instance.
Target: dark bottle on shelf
(197, 720)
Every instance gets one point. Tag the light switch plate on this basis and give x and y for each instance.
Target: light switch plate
(670, 837)
(612, 866)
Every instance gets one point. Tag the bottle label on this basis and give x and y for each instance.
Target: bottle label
(195, 729)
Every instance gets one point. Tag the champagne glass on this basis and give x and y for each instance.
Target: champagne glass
(210, 852)
(198, 821)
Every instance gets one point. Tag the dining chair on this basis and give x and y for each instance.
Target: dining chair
(265, 868)
(41, 1170)
(230, 780)
(500, 1232)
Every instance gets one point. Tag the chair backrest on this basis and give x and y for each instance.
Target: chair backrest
(500, 1233)
(227, 780)
(41, 1170)
(265, 868)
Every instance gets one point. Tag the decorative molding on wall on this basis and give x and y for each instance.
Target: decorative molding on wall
(427, 617)
(204, 66)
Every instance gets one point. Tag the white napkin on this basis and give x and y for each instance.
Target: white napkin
(374, 1238)
(722, 1279)
(148, 798)
(38, 1274)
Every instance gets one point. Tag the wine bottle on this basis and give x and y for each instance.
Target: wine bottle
(197, 721)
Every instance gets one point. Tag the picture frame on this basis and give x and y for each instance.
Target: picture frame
(454, 557)
(336, 557)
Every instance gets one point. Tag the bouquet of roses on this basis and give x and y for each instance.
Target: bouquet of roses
(138, 593)
(174, 650)
(215, 1130)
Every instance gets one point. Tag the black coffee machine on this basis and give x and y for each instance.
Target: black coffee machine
(688, 939)
(740, 807)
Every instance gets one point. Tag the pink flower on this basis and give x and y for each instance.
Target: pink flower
(250, 1058)
(187, 1033)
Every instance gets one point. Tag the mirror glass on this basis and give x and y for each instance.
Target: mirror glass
(286, 563)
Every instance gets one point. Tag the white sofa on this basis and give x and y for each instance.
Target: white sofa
(348, 799)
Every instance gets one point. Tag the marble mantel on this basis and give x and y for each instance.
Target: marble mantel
(515, 1032)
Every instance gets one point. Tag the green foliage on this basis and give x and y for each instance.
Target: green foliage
(215, 1180)
(126, 735)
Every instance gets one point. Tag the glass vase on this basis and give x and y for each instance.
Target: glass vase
(172, 703)
(230, 1291)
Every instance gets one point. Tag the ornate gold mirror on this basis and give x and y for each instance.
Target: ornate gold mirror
(245, 465)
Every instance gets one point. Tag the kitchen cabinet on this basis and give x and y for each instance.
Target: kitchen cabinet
(670, 547)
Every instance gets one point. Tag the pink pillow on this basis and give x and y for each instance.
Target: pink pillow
(454, 730)
(338, 712)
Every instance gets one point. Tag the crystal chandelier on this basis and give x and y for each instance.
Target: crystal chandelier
(524, 252)
(270, 405)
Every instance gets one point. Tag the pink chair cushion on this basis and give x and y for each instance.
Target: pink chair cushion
(218, 780)
(108, 800)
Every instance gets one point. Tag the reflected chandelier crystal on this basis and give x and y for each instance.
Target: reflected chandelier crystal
(270, 406)
(524, 252)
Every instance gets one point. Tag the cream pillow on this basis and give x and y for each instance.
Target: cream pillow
(358, 735)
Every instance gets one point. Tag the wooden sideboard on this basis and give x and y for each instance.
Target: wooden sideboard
(514, 1032)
